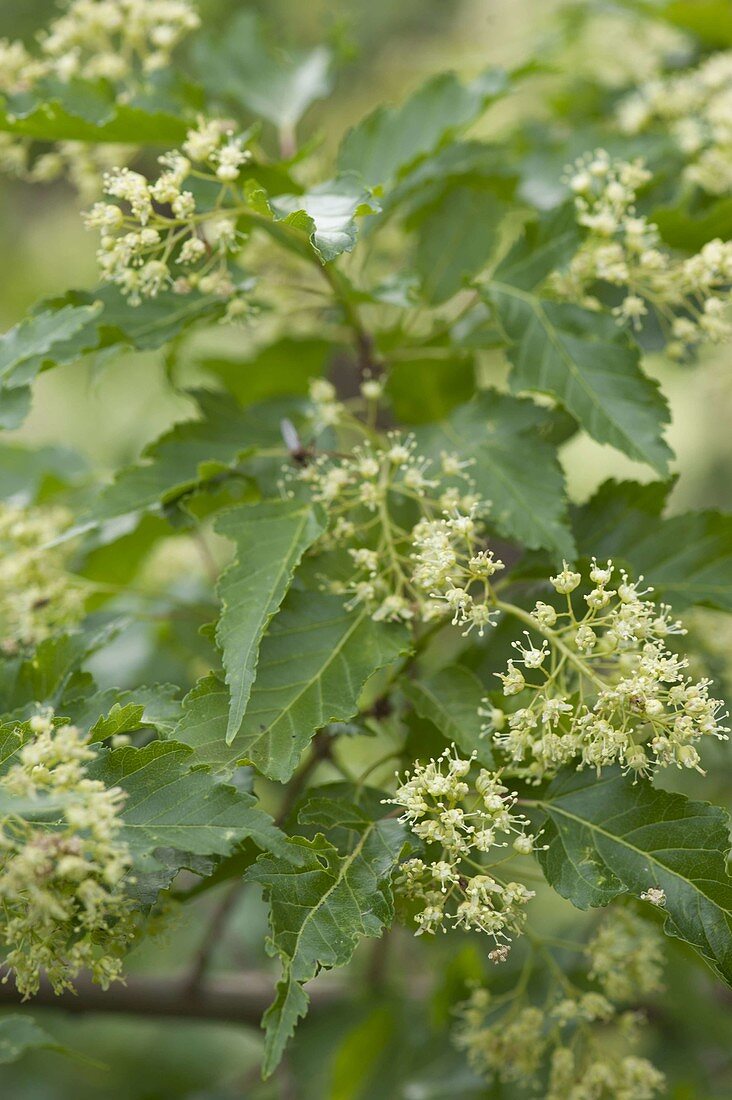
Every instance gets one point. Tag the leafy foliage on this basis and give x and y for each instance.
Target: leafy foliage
(313, 663)
(607, 837)
(321, 903)
(362, 553)
(584, 363)
(688, 556)
(270, 541)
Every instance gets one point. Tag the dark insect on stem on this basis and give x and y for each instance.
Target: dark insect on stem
(299, 453)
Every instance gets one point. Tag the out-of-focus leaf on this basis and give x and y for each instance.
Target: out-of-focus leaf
(283, 368)
(456, 239)
(30, 473)
(425, 389)
(241, 69)
(61, 330)
(390, 139)
(546, 245)
(20, 1034)
(190, 452)
(81, 110)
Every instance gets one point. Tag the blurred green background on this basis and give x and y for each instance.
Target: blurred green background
(108, 413)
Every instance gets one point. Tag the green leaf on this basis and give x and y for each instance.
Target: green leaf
(515, 468)
(583, 360)
(546, 245)
(471, 162)
(58, 335)
(241, 68)
(450, 699)
(170, 805)
(689, 230)
(61, 330)
(390, 139)
(189, 453)
(456, 239)
(313, 662)
(203, 722)
(425, 389)
(121, 719)
(30, 474)
(687, 558)
(81, 110)
(283, 368)
(609, 836)
(710, 20)
(20, 1034)
(319, 909)
(328, 213)
(106, 713)
(270, 538)
(48, 673)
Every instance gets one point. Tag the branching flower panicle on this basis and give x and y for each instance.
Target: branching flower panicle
(412, 527)
(602, 687)
(696, 108)
(623, 249)
(461, 822)
(62, 886)
(163, 236)
(562, 1048)
(626, 957)
(37, 595)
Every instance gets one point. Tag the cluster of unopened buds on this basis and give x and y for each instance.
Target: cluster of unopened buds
(37, 595)
(461, 821)
(563, 1047)
(162, 236)
(694, 106)
(602, 687)
(412, 526)
(689, 297)
(62, 884)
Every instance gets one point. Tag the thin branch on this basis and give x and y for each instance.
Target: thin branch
(239, 999)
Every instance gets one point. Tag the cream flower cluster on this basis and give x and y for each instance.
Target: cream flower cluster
(433, 568)
(696, 108)
(162, 236)
(37, 596)
(396, 512)
(462, 822)
(615, 47)
(118, 40)
(602, 687)
(626, 957)
(567, 1042)
(622, 248)
(64, 907)
(111, 39)
(81, 163)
